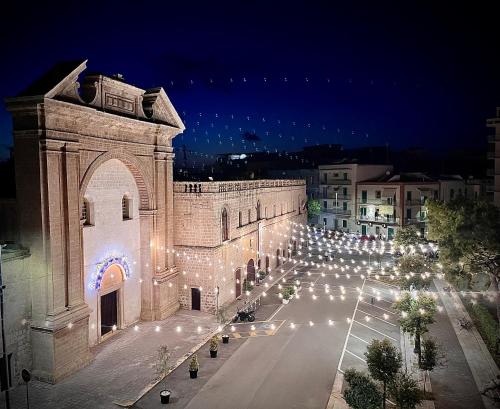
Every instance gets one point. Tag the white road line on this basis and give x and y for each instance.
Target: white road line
(356, 356)
(383, 283)
(350, 326)
(275, 312)
(361, 339)
(376, 306)
(377, 318)
(373, 329)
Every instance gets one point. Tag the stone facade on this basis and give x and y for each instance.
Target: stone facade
(258, 227)
(108, 140)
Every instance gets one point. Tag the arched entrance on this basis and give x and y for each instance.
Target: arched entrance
(278, 257)
(251, 271)
(110, 297)
(237, 278)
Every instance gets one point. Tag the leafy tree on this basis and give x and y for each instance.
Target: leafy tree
(407, 237)
(362, 392)
(431, 357)
(313, 207)
(405, 392)
(416, 314)
(384, 361)
(468, 234)
(413, 272)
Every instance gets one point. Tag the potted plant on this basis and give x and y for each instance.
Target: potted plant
(225, 339)
(162, 369)
(261, 274)
(214, 346)
(193, 367)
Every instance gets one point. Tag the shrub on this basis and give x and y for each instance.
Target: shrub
(287, 292)
(247, 286)
(485, 323)
(214, 343)
(194, 364)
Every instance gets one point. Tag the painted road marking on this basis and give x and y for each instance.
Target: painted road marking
(361, 339)
(376, 306)
(373, 329)
(377, 318)
(356, 356)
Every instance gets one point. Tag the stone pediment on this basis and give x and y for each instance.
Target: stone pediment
(110, 94)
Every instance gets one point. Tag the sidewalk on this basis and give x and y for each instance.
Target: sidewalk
(122, 367)
(466, 355)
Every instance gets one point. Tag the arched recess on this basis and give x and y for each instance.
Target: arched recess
(251, 270)
(144, 181)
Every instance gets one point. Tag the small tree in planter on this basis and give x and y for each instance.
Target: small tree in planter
(261, 274)
(194, 366)
(432, 356)
(362, 392)
(384, 362)
(287, 293)
(162, 368)
(405, 392)
(214, 346)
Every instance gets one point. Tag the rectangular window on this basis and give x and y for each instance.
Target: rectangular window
(364, 196)
(344, 206)
(344, 224)
(345, 176)
(408, 214)
(324, 221)
(408, 195)
(362, 211)
(378, 194)
(325, 177)
(344, 191)
(325, 204)
(325, 192)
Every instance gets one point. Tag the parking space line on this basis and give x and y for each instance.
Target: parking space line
(376, 306)
(373, 329)
(361, 339)
(383, 283)
(350, 327)
(377, 318)
(356, 356)
(275, 312)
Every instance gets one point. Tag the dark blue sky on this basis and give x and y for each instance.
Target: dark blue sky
(403, 73)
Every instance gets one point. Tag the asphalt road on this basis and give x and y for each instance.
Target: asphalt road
(325, 329)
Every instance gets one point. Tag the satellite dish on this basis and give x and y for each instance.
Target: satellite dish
(26, 375)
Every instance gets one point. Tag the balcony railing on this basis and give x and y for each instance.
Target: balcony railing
(331, 195)
(415, 202)
(376, 202)
(379, 219)
(334, 210)
(331, 181)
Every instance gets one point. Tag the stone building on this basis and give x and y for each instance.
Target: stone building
(95, 214)
(226, 231)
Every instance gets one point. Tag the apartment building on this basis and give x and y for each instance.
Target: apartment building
(387, 203)
(337, 189)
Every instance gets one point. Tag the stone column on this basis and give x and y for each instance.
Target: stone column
(169, 206)
(147, 263)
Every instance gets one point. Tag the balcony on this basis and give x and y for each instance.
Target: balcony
(376, 202)
(379, 219)
(337, 210)
(339, 181)
(331, 195)
(415, 202)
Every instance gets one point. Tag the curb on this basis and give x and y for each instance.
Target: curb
(336, 400)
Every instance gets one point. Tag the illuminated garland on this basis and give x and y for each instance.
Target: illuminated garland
(104, 265)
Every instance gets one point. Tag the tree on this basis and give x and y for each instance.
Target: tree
(407, 237)
(405, 392)
(413, 272)
(161, 366)
(431, 357)
(384, 361)
(362, 392)
(417, 312)
(313, 207)
(468, 234)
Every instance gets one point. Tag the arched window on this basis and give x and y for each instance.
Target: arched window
(258, 210)
(86, 216)
(126, 208)
(249, 216)
(240, 219)
(225, 225)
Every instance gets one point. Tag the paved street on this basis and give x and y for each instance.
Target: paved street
(293, 364)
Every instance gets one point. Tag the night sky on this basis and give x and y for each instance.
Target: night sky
(406, 73)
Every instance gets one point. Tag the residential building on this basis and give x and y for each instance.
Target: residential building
(451, 187)
(337, 184)
(387, 203)
(494, 155)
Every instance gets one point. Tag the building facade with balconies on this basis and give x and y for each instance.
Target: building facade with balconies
(387, 203)
(493, 188)
(337, 185)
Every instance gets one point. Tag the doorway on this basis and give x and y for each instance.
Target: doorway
(195, 299)
(109, 312)
(363, 229)
(251, 271)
